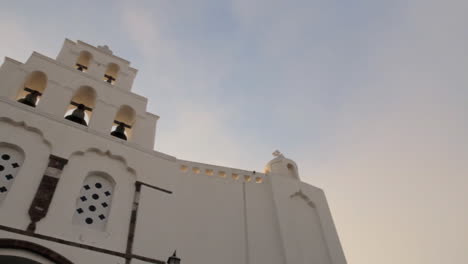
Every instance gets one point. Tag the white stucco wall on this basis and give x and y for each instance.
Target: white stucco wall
(214, 214)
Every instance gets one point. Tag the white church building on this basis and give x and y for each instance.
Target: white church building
(80, 181)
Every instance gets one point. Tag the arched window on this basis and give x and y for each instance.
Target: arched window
(292, 171)
(124, 121)
(11, 159)
(94, 202)
(83, 61)
(111, 73)
(81, 106)
(32, 89)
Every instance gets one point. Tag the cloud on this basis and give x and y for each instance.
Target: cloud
(16, 40)
(398, 153)
(370, 98)
(185, 83)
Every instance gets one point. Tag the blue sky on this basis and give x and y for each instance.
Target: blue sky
(368, 97)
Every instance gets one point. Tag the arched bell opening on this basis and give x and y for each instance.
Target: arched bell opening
(33, 88)
(123, 123)
(111, 73)
(83, 61)
(81, 106)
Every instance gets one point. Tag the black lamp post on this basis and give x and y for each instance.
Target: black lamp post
(173, 259)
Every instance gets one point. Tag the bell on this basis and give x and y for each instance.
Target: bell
(173, 259)
(81, 67)
(109, 79)
(120, 131)
(78, 115)
(30, 99)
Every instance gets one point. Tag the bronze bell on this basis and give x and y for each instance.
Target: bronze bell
(78, 115)
(31, 98)
(120, 131)
(109, 78)
(81, 67)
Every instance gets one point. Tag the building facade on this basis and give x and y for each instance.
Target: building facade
(80, 181)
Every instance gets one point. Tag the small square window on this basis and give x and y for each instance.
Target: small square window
(83, 198)
(9, 176)
(104, 204)
(107, 193)
(102, 217)
(87, 187)
(3, 189)
(15, 165)
(79, 210)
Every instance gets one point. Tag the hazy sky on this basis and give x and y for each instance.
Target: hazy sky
(369, 97)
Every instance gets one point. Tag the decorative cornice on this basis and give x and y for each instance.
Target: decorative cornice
(23, 124)
(304, 197)
(63, 121)
(100, 82)
(109, 154)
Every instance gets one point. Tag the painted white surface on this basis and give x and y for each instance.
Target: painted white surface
(214, 215)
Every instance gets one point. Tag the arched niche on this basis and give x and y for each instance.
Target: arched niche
(83, 61)
(125, 118)
(112, 72)
(34, 86)
(292, 171)
(82, 164)
(85, 96)
(303, 212)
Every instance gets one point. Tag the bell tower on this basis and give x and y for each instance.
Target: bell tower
(88, 86)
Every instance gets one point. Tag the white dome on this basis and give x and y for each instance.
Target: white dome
(282, 166)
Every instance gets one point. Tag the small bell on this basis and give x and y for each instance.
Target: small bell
(119, 131)
(81, 67)
(78, 115)
(173, 259)
(109, 79)
(31, 98)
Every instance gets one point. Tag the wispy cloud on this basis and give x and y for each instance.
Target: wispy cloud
(369, 97)
(400, 140)
(189, 79)
(16, 40)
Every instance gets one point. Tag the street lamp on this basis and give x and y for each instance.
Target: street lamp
(173, 259)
